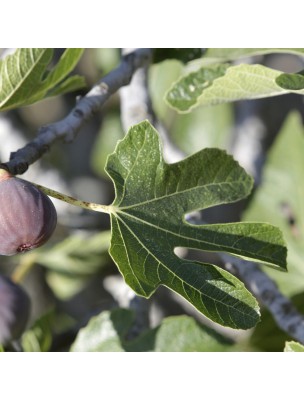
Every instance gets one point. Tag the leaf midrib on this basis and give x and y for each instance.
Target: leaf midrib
(127, 254)
(166, 196)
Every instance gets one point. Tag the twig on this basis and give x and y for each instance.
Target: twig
(266, 291)
(67, 128)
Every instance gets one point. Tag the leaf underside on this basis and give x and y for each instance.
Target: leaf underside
(24, 78)
(293, 347)
(148, 223)
(222, 83)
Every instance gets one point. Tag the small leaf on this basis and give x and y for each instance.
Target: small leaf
(24, 78)
(104, 332)
(65, 65)
(293, 347)
(148, 222)
(70, 84)
(221, 84)
(183, 55)
(39, 337)
(291, 81)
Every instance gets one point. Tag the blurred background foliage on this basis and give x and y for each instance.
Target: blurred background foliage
(74, 284)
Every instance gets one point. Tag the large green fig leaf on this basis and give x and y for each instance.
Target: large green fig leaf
(24, 78)
(148, 223)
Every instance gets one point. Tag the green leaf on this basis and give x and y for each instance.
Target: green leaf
(70, 84)
(104, 332)
(291, 81)
(183, 55)
(186, 92)
(293, 347)
(108, 332)
(148, 223)
(39, 337)
(24, 78)
(221, 84)
(279, 199)
(65, 65)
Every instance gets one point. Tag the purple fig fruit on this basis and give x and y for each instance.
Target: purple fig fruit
(14, 310)
(27, 216)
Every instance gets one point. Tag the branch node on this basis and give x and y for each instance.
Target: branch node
(78, 113)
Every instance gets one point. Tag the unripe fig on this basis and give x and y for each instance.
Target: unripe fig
(27, 216)
(14, 310)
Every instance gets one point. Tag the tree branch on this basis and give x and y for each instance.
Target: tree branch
(67, 128)
(264, 288)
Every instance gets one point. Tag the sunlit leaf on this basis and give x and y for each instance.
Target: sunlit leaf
(222, 83)
(148, 222)
(293, 347)
(25, 79)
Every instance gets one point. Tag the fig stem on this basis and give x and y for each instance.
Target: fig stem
(76, 202)
(23, 268)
